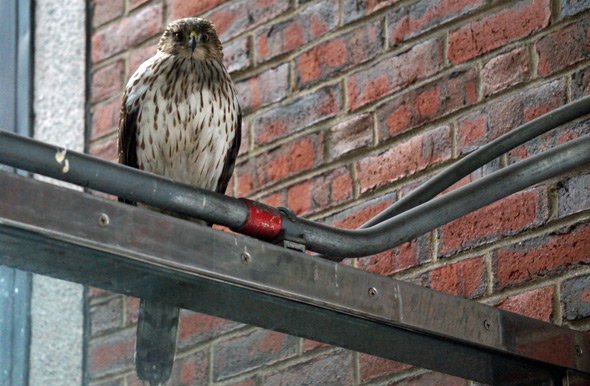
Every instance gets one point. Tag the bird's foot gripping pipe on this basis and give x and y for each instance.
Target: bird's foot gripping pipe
(263, 222)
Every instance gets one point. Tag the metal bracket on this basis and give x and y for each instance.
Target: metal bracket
(85, 239)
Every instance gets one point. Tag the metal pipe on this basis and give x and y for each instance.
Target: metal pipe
(121, 181)
(416, 221)
(484, 155)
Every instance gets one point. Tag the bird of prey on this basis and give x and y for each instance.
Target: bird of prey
(180, 118)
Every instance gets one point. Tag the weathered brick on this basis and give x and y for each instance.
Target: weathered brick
(408, 21)
(563, 48)
(338, 54)
(580, 83)
(265, 88)
(332, 368)
(495, 30)
(126, 33)
(307, 25)
(105, 118)
(372, 367)
(298, 114)
(182, 8)
(311, 345)
(542, 256)
(395, 73)
(135, 3)
(236, 55)
(505, 70)
(297, 156)
(508, 216)
(405, 158)
(106, 316)
(195, 328)
(111, 382)
(321, 192)
(355, 217)
(573, 7)
(406, 256)
(111, 354)
(465, 278)
(537, 304)
(105, 149)
(506, 113)
(192, 369)
(575, 297)
(235, 17)
(140, 55)
(108, 81)
(355, 9)
(106, 10)
(573, 195)
(131, 311)
(431, 379)
(427, 103)
(253, 350)
(351, 135)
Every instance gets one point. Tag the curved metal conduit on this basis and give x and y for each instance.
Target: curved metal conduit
(411, 216)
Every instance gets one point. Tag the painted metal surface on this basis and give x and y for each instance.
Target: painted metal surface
(78, 237)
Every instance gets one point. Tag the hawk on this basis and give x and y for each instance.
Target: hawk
(180, 118)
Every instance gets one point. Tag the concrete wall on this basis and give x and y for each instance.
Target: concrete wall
(59, 90)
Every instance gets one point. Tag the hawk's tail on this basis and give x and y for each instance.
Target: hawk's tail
(156, 341)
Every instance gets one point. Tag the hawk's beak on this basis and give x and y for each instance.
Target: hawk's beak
(194, 39)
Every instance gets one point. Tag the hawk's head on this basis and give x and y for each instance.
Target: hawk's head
(192, 37)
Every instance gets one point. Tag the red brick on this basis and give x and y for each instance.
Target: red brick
(310, 23)
(236, 55)
(564, 47)
(235, 17)
(355, 9)
(195, 328)
(106, 10)
(427, 103)
(105, 118)
(280, 163)
(372, 367)
(542, 257)
(298, 114)
(338, 54)
(105, 149)
(508, 216)
(406, 256)
(360, 214)
(108, 81)
(136, 3)
(331, 368)
(183, 8)
(330, 189)
(537, 304)
(405, 158)
(139, 55)
(275, 199)
(126, 33)
(263, 89)
(497, 29)
(431, 379)
(299, 197)
(465, 278)
(506, 113)
(311, 345)
(505, 70)
(111, 354)
(245, 141)
(351, 135)
(248, 352)
(395, 73)
(412, 20)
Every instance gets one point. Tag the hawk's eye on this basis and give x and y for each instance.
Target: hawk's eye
(204, 38)
(179, 35)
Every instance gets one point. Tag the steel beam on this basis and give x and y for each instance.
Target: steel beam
(82, 238)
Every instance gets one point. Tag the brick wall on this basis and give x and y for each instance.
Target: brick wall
(349, 105)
